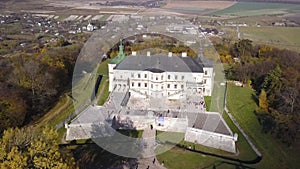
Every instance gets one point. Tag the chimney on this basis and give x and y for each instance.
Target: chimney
(148, 53)
(184, 54)
(170, 54)
(133, 53)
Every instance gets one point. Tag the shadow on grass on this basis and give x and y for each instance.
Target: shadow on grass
(222, 163)
(89, 155)
(254, 161)
(254, 97)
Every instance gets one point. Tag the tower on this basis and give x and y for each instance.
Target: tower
(113, 63)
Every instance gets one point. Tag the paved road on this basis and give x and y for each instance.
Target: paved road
(148, 152)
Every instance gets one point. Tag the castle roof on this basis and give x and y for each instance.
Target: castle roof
(159, 64)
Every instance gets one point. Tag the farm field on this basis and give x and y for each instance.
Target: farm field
(263, 20)
(282, 37)
(258, 8)
(195, 7)
(199, 4)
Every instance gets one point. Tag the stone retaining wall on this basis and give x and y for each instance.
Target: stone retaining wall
(211, 139)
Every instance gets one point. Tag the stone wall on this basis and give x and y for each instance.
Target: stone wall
(211, 139)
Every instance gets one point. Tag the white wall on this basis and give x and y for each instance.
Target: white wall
(111, 76)
(209, 77)
(210, 139)
(165, 84)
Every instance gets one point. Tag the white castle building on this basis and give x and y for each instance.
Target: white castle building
(160, 76)
(165, 92)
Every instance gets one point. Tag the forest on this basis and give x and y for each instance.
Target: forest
(274, 74)
(32, 82)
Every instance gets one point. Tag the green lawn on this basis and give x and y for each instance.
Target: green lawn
(245, 151)
(207, 100)
(275, 154)
(180, 158)
(103, 67)
(103, 92)
(132, 133)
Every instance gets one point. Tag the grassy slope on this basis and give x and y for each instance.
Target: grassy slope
(59, 112)
(275, 154)
(65, 105)
(103, 87)
(103, 90)
(241, 105)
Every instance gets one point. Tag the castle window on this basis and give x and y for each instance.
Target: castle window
(132, 84)
(139, 75)
(175, 77)
(182, 77)
(145, 84)
(139, 84)
(175, 86)
(204, 81)
(182, 86)
(205, 72)
(145, 75)
(168, 86)
(169, 76)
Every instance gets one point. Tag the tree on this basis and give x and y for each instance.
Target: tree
(242, 48)
(12, 108)
(33, 148)
(275, 76)
(273, 83)
(263, 101)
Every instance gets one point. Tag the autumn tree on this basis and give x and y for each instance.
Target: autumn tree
(33, 148)
(265, 118)
(263, 102)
